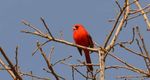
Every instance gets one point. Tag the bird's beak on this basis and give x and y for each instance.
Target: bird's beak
(73, 28)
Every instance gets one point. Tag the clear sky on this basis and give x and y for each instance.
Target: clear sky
(61, 15)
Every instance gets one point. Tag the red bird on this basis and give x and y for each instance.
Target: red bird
(82, 37)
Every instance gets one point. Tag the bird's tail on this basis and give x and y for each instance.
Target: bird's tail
(88, 60)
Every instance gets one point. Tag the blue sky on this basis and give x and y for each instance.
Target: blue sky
(61, 15)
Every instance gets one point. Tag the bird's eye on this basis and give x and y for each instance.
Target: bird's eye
(76, 27)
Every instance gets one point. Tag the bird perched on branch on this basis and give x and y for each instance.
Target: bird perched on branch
(82, 37)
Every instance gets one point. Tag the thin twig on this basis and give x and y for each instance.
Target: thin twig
(131, 77)
(62, 60)
(74, 66)
(11, 65)
(136, 53)
(47, 62)
(47, 70)
(113, 29)
(42, 44)
(115, 25)
(130, 18)
(115, 67)
(147, 60)
(132, 68)
(127, 42)
(73, 73)
(51, 52)
(116, 1)
(127, 8)
(143, 43)
(34, 76)
(137, 11)
(46, 26)
(16, 58)
(33, 33)
(81, 73)
(143, 13)
(31, 26)
(7, 69)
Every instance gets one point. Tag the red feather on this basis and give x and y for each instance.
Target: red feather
(82, 37)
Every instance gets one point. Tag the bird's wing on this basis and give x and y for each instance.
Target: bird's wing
(91, 42)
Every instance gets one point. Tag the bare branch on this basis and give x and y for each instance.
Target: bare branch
(62, 60)
(8, 69)
(51, 52)
(11, 65)
(48, 62)
(16, 58)
(113, 29)
(73, 73)
(134, 69)
(143, 13)
(147, 60)
(130, 18)
(34, 76)
(81, 73)
(127, 42)
(31, 26)
(136, 53)
(131, 77)
(143, 43)
(137, 11)
(116, 1)
(46, 26)
(127, 8)
(42, 44)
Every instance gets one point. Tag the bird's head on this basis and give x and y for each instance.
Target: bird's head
(77, 26)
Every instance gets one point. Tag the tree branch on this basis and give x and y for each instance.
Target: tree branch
(11, 65)
(143, 13)
(48, 62)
